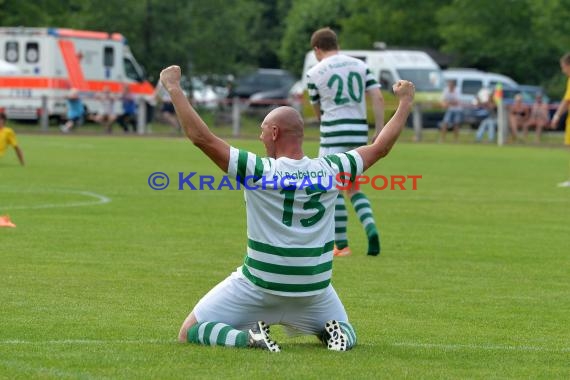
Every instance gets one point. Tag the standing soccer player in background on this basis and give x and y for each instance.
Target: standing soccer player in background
(337, 86)
(563, 107)
(8, 137)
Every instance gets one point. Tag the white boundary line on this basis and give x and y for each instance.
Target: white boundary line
(480, 347)
(99, 200)
(85, 341)
(444, 347)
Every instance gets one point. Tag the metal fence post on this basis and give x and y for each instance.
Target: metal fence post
(501, 124)
(417, 122)
(141, 116)
(235, 116)
(501, 114)
(44, 117)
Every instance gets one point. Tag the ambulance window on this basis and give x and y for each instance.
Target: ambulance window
(108, 56)
(131, 70)
(11, 53)
(32, 52)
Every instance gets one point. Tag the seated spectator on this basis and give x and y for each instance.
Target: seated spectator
(129, 115)
(107, 116)
(75, 111)
(167, 111)
(518, 116)
(489, 123)
(539, 118)
(454, 112)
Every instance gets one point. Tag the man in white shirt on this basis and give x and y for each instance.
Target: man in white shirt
(286, 276)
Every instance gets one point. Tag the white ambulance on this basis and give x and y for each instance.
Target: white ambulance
(52, 61)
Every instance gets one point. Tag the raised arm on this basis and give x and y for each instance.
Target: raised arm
(196, 130)
(404, 90)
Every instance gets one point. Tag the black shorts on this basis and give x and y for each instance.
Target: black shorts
(167, 107)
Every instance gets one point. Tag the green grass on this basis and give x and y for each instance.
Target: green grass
(473, 281)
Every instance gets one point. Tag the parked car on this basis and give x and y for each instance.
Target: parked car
(470, 82)
(207, 96)
(264, 87)
(528, 93)
(203, 95)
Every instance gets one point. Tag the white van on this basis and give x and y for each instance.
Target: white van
(389, 66)
(470, 81)
(51, 61)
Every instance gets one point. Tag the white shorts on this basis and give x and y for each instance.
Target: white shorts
(325, 151)
(240, 304)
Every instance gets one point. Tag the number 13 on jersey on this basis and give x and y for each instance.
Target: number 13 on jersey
(313, 203)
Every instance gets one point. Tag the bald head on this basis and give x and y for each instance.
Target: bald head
(282, 133)
(288, 120)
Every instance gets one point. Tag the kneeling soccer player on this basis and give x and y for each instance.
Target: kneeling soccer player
(286, 276)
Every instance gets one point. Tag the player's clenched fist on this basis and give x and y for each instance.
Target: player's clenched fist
(170, 77)
(404, 89)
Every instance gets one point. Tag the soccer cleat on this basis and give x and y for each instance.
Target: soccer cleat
(6, 222)
(259, 338)
(342, 252)
(333, 337)
(564, 184)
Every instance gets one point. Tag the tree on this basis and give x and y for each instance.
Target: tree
(519, 38)
(505, 36)
(402, 23)
(303, 19)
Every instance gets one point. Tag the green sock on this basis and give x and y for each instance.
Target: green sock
(340, 222)
(348, 330)
(214, 333)
(363, 209)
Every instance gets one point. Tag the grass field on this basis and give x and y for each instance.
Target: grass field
(473, 280)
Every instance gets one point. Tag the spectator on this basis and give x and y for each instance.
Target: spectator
(167, 111)
(107, 116)
(75, 111)
(454, 112)
(129, 115)
(518, 116)
(489, 123)
(8, 138)
(539, 118)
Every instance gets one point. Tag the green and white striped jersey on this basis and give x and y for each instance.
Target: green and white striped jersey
(290, 218)
(339, 83)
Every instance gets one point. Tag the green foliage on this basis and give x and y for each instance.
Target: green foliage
(304, 18)
(515, 37)
(519, 38)
(406, 23)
